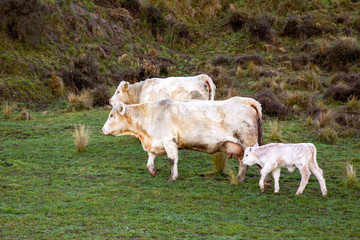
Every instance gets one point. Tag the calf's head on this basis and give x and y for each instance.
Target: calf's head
(121, 94)
(116, 124)
(250, 157)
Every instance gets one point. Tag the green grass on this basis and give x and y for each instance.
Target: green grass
(49, 191)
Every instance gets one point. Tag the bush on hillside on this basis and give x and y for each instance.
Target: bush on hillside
(236, 20)
(24, 20)
(338, 56)
(272, 107)
(303, 27)
(260, 30)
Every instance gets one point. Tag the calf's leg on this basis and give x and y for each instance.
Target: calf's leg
(264, 171)
(276, 175)
(319, 175)
(150, 164)
(305, 174)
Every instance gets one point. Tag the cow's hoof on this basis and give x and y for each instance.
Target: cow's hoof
(153, 173)
(324, 195)
(240, 179)
(262, 190)
(171, 180)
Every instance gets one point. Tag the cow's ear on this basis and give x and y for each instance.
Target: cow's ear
(256, 145)
(124, 85)
(122, 108)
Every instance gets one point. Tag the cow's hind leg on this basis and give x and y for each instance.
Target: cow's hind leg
(319, 175)
(305, 175)
(172, 153)
(150, 164)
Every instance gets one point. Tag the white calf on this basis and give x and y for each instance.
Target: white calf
(273, 156)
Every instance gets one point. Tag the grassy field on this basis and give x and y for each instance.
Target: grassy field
(50, 191)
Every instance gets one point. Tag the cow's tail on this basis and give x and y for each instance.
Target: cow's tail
(256, 105)
(211, 86)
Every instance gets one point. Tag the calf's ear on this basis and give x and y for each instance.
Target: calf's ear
(122, 108)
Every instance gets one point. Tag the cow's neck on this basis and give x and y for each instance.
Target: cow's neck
(136, 121)
(135, 92)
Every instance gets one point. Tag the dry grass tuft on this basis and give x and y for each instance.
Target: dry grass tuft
(79, 102)
(353, 105)
(275, 133)
(308, 81)
(328, 135)
(232, 177)
(300, 100)
(219, 161)
(24, 115)
(251, 70)
(326, 118)
(56, 84)
(309, 121)
(351, 179)
(8, 109)
(81, 136)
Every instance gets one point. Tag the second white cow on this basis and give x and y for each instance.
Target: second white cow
(273, 156)
(154, 89)
(165, 126)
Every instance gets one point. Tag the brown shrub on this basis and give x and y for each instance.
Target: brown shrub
(272, 107)
(236, 19)
(132, 6)
(260, 30)
(303, 27)
(76, 81)
(339, 55)
(24, 20)
(245, 59)
(88, 65)
(344, 77)
(341, 92)
(347, 119)
(221, 60)
(300, 61)
(101, 95)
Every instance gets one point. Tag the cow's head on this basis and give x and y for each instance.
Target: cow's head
(116, 124)
(121, 94)
(250, 156)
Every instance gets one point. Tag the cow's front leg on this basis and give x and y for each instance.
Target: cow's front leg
(242, 171)
(171, 149)
(150, 164)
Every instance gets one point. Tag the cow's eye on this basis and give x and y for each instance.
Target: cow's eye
(246, 155)
(117, 92)
(111, 115)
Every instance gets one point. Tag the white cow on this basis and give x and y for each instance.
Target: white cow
(207, 126)
(273, 156)
(154, 89)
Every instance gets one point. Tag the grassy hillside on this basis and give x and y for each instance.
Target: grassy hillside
(60, 62)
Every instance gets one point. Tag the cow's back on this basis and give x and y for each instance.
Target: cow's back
(178, 88)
